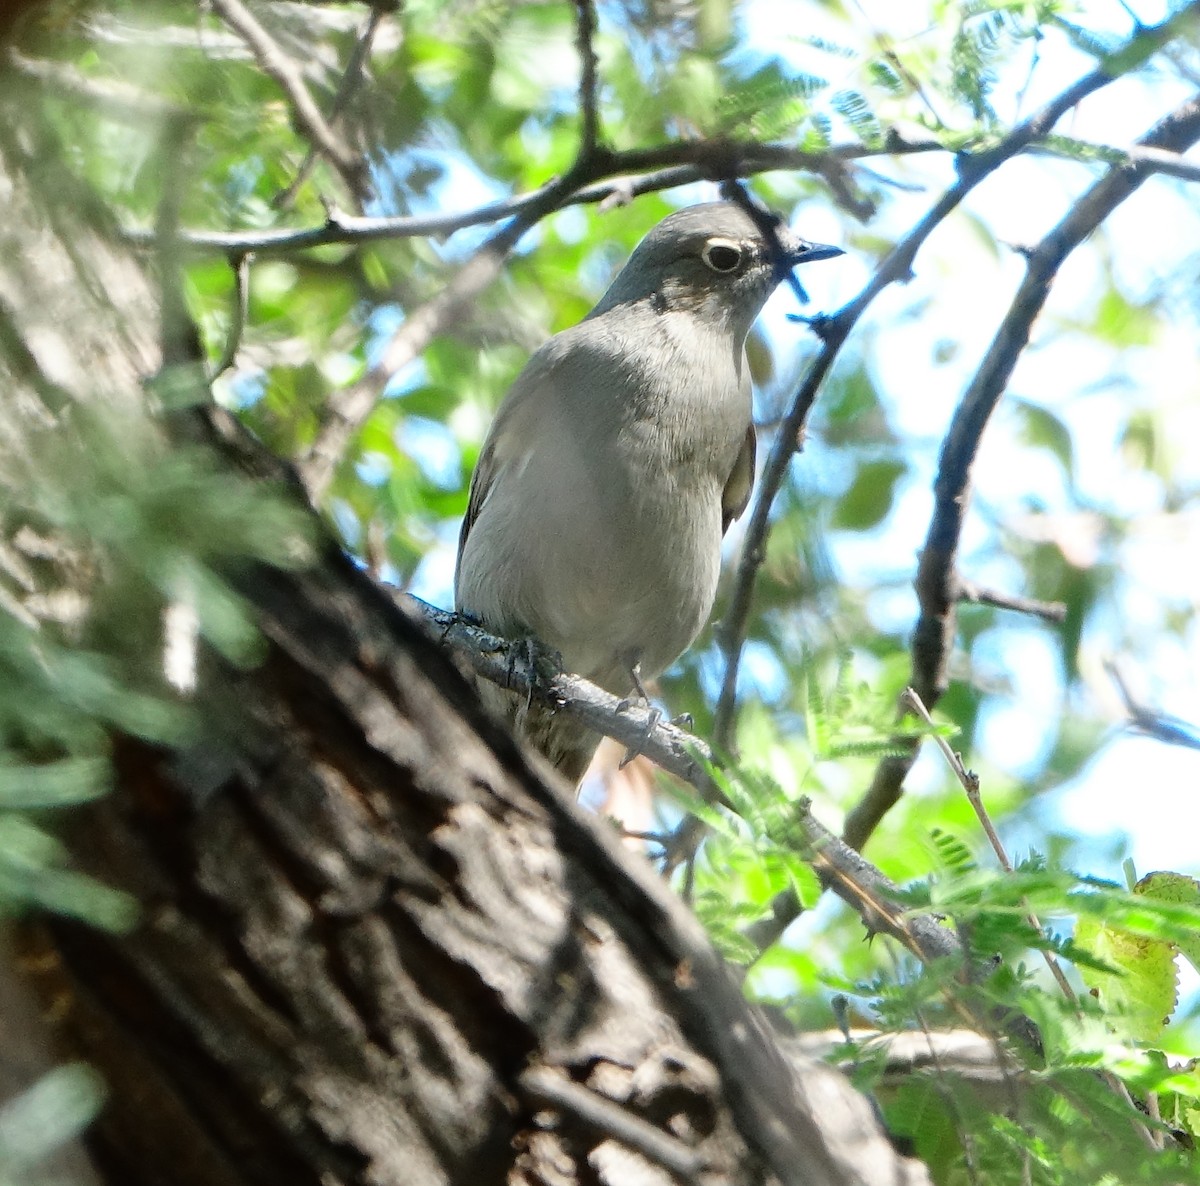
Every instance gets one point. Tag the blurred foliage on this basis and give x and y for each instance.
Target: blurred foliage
(1084, 492)
(44, 1117)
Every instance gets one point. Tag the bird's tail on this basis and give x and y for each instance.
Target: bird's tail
(566, 744)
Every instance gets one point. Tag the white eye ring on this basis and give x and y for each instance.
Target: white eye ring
(722, 255)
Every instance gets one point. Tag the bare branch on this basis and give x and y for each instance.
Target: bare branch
(352, 76)
(688, 758)
(273, 61)
(669, 166)
(866, 890)
(610, 178)
(634, 725)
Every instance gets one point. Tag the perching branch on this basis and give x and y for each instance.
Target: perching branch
(840, 867)
(636, 726)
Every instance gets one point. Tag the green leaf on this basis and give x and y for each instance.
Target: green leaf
(1042, 429)
(854, 108)
(1138, 989)
(52, 784)
(1124, 323)
(870, 496)
(1138, 995)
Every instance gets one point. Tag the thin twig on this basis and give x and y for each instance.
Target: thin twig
(273, 61)
(237, 317)
(969, 781)
(1168, 729)
(351, 77)
(1048, 611)
(970, 784)
(1156, 160)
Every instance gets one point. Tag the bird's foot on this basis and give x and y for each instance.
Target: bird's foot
(529, 663)
(654, 714)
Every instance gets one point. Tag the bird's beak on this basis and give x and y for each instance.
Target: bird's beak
(804, 252)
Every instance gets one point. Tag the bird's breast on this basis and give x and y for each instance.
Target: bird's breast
(602, 532)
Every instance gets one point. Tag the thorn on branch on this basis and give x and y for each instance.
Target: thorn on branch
(1168, 729)
(1048, 611)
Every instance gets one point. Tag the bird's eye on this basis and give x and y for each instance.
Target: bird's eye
(721, 256)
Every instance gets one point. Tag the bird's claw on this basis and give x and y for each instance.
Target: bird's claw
(654, 716)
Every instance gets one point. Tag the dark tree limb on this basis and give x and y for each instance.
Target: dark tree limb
(834, 330)
(937, 580)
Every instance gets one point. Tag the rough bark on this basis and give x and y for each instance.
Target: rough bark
(380, 947)
(377, 945)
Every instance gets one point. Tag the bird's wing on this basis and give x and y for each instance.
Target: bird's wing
(511, 426)
(736, 494)
(481, 481)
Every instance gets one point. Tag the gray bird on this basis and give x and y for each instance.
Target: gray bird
(616, 463)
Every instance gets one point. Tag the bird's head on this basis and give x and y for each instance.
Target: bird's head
(713, 261)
